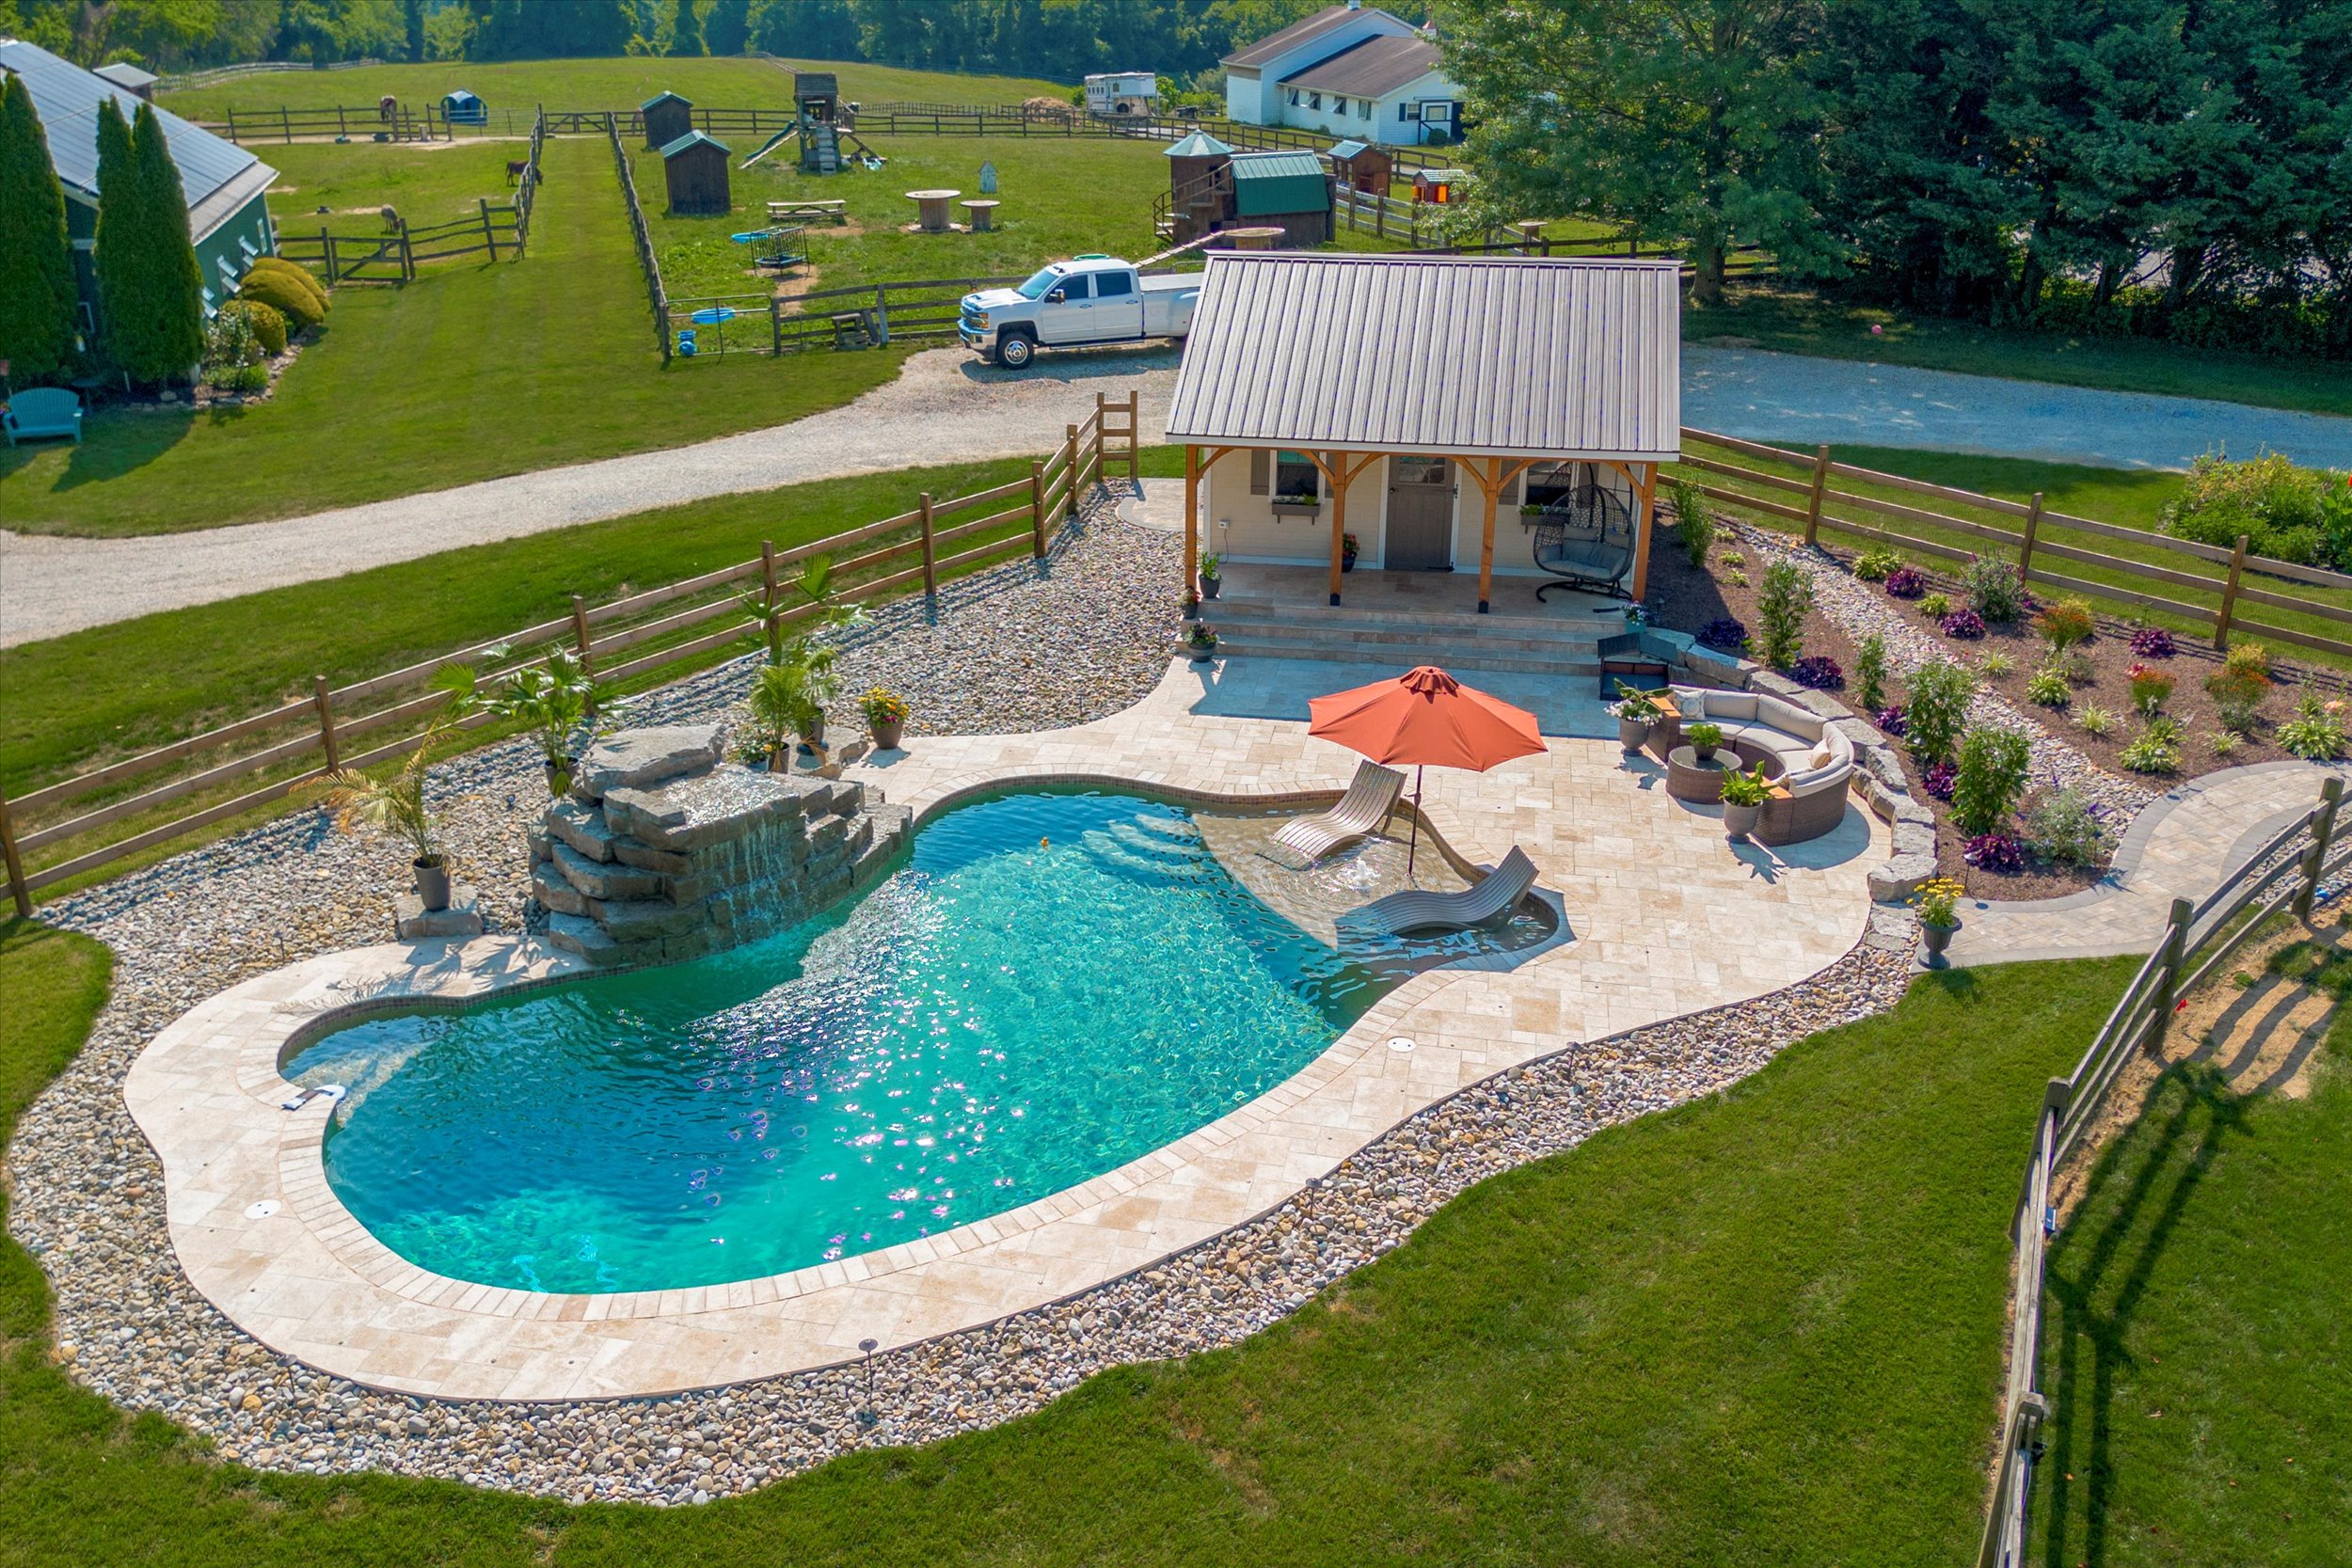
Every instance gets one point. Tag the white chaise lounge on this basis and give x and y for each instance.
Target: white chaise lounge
(1499, 890)
(1371, 796)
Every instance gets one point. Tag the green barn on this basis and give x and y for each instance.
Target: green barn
(228, 215)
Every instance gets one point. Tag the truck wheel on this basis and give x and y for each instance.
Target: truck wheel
(1014, 351)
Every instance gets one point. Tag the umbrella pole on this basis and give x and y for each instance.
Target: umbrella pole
(1412, 843)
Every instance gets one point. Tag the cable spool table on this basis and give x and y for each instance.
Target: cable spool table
(982, 213)
(932, 209)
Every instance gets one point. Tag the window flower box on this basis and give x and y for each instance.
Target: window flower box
(1297, 506)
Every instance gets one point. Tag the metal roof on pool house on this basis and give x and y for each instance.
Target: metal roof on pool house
(1436, 355)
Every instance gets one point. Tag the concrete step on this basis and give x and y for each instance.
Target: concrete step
(1457, 658)
(1555, 629)
(1498, 642)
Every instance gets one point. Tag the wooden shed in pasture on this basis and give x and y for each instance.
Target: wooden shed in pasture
(1288, 191)
(1442, 187)
(696, 169)
(667, 117)
(1361, 166)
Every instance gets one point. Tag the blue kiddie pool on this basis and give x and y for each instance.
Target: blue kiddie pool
(715, 315)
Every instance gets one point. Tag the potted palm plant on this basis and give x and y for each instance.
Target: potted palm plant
(778, 702)
(1704, 738)
(1938, 903)
(1744, 794)
(395, 807)
(885, 714)
(1210, 577)
(557, 699)
(1635, 713)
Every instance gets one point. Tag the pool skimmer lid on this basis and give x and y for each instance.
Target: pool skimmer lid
(262, 1210)
(1400, 1042)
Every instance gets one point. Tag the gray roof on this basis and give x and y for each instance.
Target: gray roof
(1442, 354)
(122, 73)
(1367, 70)
(1290, 37)
(67, 98)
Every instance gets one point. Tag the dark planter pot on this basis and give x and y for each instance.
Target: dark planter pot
(1632, 734)
(561, 774)
(1705, 753)
(1192, 611)
(888, 733)
(1937, 937)
(1209, 587)
(1740, 821)
(1347, 563)
(433, 882)
(1199, 654)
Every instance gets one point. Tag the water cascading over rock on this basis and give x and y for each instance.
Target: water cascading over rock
(663, 852)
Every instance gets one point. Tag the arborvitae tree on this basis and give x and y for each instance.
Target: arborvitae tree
(37, 294)
(150, 291)
(179, 279)
(685, 29)
(122, 272)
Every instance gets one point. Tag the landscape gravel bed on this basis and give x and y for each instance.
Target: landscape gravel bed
(1017, 650)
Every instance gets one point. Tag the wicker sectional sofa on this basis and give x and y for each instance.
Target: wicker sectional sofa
(1817, 758)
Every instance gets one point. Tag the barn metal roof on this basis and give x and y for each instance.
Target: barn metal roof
(1369, 69)
(1270, 182)
(692, 138)
(662, 98)
(67, 98)
(1442, 354)
(1339, 151)
(1291, 37)
(1199, 144)
(122, 73)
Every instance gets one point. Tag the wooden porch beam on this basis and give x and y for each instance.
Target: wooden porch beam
(1648, 490)
(1490, 480)
(1340, 474)
(1192, 515)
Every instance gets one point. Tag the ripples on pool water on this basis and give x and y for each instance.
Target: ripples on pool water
(1053, 986)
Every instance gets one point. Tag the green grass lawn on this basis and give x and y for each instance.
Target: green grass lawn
(1794, 320)
(710, 81)
(1763, 1328)
(2198, 1337)
(429, 182)
(475, 370)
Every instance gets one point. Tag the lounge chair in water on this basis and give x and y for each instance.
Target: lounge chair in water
(1499, 890)
(1371, 797)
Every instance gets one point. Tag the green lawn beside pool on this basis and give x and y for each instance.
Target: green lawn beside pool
(1761, 1328)
(475, 370)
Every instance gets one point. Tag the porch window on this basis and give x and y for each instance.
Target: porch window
(1295, 474)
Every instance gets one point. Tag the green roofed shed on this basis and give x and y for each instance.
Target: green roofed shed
(695, 167)
(1267, 184)
(1199, 144)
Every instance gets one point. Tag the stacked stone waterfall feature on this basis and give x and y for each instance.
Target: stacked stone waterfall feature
(663, 852)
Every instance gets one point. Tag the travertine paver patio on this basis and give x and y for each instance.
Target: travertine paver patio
(1663, 917)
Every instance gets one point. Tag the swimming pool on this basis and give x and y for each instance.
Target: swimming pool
(1054, 984)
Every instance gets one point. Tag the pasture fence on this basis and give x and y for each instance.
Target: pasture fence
(646, 261)
(188, 80)
(2283, 875)
(127, 806)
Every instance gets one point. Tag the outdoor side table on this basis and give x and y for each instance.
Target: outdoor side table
(931, 210)
(983, 215)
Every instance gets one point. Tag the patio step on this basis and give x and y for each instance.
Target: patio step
(1521, 644)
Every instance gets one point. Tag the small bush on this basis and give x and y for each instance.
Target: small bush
(2237, 693)
(283, 296)
(1725, 633)
(1937, 606)
(2221, 743)
(1694, 525)
(2151, 688)
(301, 277)
(2316, 734)
(2048, 687)
(1873, 564)
(1995, 852)
(1995, 664)
(2152, 643)
(2067, 622)
(1938, 780)
(1906, 582)
(2066, 828)
(1937, 712)
(2157, 748)
(1869, 671)
(1963, 624)
(1891, 723)
(1732, 557)
(2096, 721)
(2289, 514)
(1990, 779)
(1995, 588)
(267, 322)
(1786, 600)
(1820, 672)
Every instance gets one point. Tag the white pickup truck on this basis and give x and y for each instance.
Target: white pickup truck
(1091, 299)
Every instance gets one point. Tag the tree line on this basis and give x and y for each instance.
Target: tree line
(2171, 168)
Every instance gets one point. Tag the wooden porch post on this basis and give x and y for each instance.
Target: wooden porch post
(1641, 534)
(1338, 475)
(1490, 484)
(1192, 514)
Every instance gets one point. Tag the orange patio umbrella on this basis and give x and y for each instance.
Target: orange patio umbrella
(1426, 718)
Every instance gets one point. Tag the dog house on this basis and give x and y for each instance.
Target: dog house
(463, 108)
(1360, 166)
(695, 167)
(1442, 187)
(667, 117)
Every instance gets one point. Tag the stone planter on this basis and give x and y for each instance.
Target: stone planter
(432, 883)
(887, 733)
(1209, 587)
(1632, 734)
(1936, 938)
(1740, 821)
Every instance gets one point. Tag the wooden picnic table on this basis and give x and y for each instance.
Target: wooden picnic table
(834, 208)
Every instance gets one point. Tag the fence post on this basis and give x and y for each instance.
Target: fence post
(325, 706)
(579, 637)
(1100, 404)
(286, 116)
(1813, 501)
(2024, 545)
(1069, 470)
(489, 235)
(882, 315)
(17, 890)
(769, 623)
(1134, 437)
(1037, 510)
(2316, 864)
(775, 324)
(931, 547)
(2169, 978)
(408, 256)
(2229, 598)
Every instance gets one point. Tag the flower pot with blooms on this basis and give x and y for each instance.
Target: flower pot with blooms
(1348, 550)
(1635, 713)
(885, 714)
(1938, 903)
(1211, 577)
(1201, 646)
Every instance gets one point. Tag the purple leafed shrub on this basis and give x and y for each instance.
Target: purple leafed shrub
(1906, 582)
(1967, 625)
(1725, 633)
(1820, 672)
(2153, 643)
(1995, 852)
(1938, 779)
(1891, 723)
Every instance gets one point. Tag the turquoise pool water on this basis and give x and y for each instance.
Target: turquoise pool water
(1054, 985)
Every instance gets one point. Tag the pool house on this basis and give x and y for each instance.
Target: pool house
(1506, 416)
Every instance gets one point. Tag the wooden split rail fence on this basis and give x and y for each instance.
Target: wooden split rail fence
(1802, 489)
(646, 261)
(498, 230)
(2284, 874)
(871, 315)
(295, 745)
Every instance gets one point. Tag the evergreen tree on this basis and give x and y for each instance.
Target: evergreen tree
(178, 278)
(412, 19)
(37, 292)
(728, 27)
(685, 29)
(122, 315)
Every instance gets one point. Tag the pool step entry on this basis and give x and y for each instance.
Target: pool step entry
(664, 852)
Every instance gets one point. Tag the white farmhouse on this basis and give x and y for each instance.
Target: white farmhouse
(1352, 71)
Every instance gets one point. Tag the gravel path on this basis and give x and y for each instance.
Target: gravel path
(1018, 648)
(946, 406)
